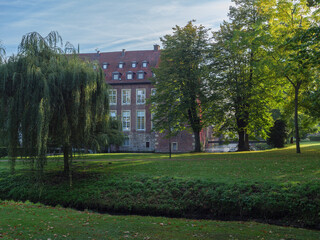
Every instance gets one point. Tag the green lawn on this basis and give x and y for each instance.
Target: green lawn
(277, 165)
(34, 221)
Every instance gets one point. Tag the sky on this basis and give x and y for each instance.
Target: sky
(105, 25)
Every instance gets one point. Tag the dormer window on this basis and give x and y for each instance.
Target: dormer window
(140, 74)
(134, 64)
(116, 76)
(105, 65)
(129, 75)
(121, 64)
(145, 64)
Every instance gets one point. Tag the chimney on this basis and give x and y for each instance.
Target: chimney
(156, 47)
(123, 52)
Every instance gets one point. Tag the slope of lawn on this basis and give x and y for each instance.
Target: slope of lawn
(34, 221)
(276, 165)
(276, 186)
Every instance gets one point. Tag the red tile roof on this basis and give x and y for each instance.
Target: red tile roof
(127, 57)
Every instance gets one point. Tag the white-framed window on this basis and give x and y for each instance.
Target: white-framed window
(144, 64)
(174, 146)
(141, 120)
(126, 97)
(113, 114)
(113, 96)
(134, 64)
(120, 65)
(141, 96)
(129, 75)
(126, 142)
(140, 74)
(105, 65)
(126, 120)
(116, 76)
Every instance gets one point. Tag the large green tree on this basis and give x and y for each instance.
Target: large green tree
(240, 76)
(180, 101)
(50, 97)
(288, 20)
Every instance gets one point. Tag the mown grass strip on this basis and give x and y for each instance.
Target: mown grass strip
(34, 221)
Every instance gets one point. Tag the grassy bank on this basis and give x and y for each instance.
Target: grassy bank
(34, 221)
(277, 165)
(276, 186)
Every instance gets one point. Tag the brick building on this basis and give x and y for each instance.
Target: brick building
(128, 73)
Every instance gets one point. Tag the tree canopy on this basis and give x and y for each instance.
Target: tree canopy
(180, 101)
(240, 76)
(287, 22)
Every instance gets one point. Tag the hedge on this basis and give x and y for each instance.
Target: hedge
(291, 204)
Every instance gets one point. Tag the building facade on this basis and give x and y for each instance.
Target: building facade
(128, 74)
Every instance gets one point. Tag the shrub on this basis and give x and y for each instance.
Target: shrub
(278, 134)
(314, 138)
(262, 146)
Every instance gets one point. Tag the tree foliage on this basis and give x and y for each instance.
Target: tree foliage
(50, 97)
(288, 21)
(2, 53)
(181, 100)
(240, 75)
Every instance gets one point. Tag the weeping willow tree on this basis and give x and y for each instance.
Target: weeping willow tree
(2, 130)
(2, 53)
(49, 96)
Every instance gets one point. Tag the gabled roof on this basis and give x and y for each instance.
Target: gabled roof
(127, 57)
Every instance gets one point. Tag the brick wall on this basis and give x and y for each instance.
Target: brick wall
(184, 142)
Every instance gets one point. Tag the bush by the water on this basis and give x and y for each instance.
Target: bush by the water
(314, 138)
(297, 204)
(278, 134)
(262, 146)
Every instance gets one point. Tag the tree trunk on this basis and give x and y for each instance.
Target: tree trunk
(243, 142)
(195, 123)
(197, 147)
(66, 153)
(170, 150)
(296, 124)
(12, 164)
(246, 140)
